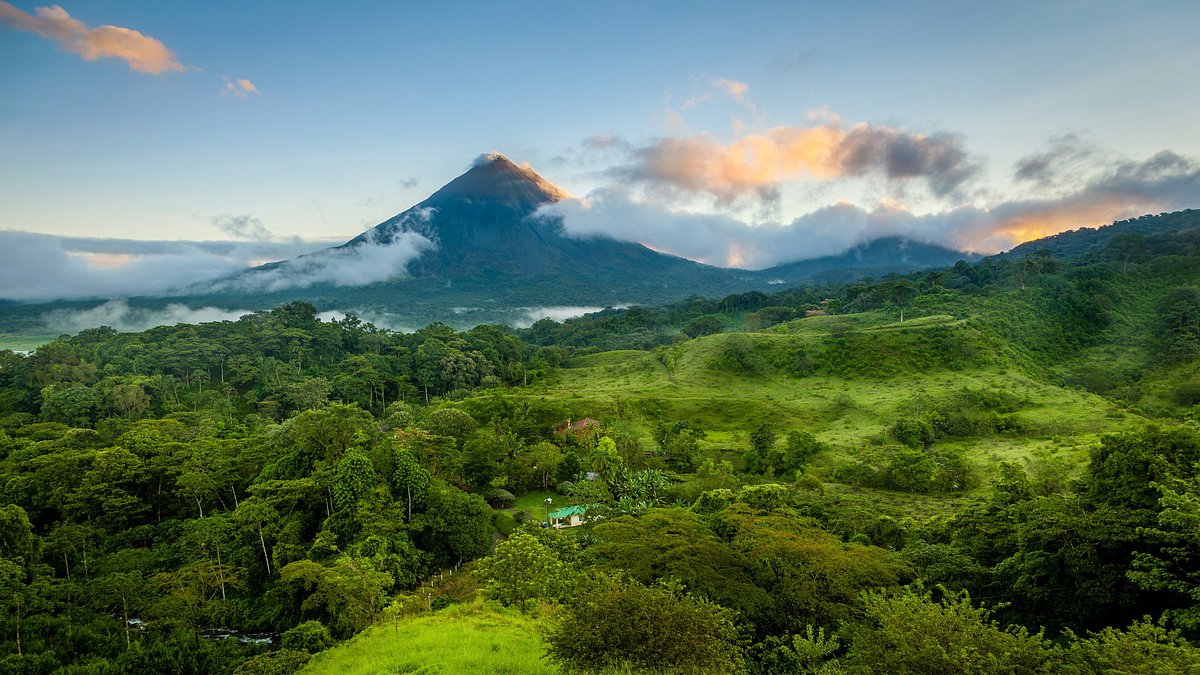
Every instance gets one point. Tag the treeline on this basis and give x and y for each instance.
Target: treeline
(271, 363)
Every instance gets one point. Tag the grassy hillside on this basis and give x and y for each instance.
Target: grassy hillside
(468, 638)
(845, 379)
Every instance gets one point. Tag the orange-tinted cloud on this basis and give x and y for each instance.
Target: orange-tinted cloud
(758, 163)
(240, 87)
(142, 52)
(732, 88)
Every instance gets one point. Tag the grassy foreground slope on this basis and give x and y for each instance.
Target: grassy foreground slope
(467, 638)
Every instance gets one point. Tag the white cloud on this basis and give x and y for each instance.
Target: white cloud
(38, 267)
(120, 315)
(531, 315)
(358, 265)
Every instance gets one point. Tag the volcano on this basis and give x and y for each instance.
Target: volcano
(486, 223)
(479, 248)
(486, 247)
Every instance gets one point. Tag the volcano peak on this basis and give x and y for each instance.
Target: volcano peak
(495, 178)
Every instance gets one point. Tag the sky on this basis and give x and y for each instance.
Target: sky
(143, 141)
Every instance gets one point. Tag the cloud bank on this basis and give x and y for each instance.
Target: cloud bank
(358, 265)
(141, 52)
(1116, 190)
(39, 267)
(120, 315)
(377, 257)
(42, 267)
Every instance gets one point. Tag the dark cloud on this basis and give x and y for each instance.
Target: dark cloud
(1068, 155)
(939, 159)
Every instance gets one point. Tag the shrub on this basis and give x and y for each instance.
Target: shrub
(310, 636)
(500, 499)
(915, 433)
(624, 626)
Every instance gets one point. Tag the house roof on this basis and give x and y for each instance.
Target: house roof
(578, 425)
(568, 511)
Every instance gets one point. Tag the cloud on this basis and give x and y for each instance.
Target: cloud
(756, 164)
(141, 52)
(377, 257)
(720, 86)
(560, 313)
(605, 141)
(344, 266)
(120, 315)
(39, 267)
(1164, 182)
(240, 87)
(732, 88)
(939, 159)
(243, 227)
(1068, 157)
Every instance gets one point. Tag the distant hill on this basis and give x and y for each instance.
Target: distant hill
(876, 258)
(1095, 241)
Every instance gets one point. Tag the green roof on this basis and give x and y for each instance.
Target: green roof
(569, 511)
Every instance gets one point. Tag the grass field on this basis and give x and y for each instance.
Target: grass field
(468, 638)
(847, 411)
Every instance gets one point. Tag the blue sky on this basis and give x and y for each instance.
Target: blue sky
(357, 110)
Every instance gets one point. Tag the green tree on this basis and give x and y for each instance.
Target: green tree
(1178, 323)
(1146, 648)
(899, 291)
(310, 636)
(410, 478)
(802, 446)
(677, 544)
(605, 460)
(1128, 247)
(622, 625)
(351, 592)
(523, 571)
(908, 632)
(74, 406)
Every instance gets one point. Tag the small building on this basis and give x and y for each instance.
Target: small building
(577, 427)
(569, 516)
